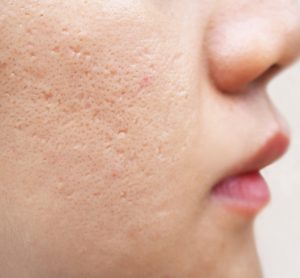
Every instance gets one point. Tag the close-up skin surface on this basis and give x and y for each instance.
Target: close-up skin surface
(119, 117)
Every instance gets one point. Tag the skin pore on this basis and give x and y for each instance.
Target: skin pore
(117, 119)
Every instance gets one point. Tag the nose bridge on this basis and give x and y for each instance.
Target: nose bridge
(244, 44)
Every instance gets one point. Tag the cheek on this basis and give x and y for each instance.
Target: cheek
(126, 137)
(104, 126)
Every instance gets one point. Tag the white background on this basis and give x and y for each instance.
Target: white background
(278, 226)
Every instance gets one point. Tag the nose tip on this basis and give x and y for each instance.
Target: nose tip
(245, 45)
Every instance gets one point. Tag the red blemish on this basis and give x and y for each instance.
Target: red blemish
(146, 81)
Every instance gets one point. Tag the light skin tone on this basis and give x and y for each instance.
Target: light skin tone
(118, 117)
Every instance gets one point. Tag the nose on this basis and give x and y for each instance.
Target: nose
(250, 42)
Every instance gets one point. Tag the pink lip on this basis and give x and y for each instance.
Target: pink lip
(244, 190)
(246, 193)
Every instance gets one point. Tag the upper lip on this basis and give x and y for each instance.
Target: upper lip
(272, 149)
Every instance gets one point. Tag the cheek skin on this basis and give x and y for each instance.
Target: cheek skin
(101, 126)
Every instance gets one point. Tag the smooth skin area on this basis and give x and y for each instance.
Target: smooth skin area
(117, 119)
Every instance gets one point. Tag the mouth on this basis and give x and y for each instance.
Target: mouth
(245, 191)
(246, 194)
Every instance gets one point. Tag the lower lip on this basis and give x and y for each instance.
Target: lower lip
(245, 194)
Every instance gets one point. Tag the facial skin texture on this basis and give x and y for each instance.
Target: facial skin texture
(117, 118)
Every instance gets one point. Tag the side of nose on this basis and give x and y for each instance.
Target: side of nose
(247, 44)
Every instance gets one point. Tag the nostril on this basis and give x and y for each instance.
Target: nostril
(260, 79)
(268, 74)
(236, 82)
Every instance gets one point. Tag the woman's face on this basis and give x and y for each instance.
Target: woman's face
(118, 117)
